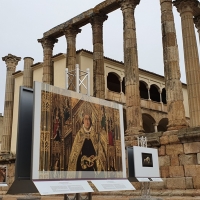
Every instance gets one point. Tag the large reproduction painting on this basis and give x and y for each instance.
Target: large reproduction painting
(76, 136)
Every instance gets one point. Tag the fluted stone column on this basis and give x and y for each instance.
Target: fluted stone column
(28, 72)
(70, 35)
(47, 44)
(173, 85)
(197, 24)
(185, 8)
(98, 55)
(11, 63)
(133, 109)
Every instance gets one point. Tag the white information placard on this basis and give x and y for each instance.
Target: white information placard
(62, 187)
(113, 185)
(143, 179)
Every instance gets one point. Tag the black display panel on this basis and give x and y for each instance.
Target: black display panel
(24, 135)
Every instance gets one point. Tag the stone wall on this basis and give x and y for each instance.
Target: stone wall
(179, 158)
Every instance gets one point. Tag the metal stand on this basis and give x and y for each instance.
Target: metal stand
(78, 196)
(145, 190)
(145, 186)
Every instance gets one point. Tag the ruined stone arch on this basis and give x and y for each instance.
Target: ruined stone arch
(148, 123)
(162, 125)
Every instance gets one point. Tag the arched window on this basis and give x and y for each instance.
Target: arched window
(113, 82)
(154, 94)
(162, 125)
(143, 90)
(148, 123)
(164, 100)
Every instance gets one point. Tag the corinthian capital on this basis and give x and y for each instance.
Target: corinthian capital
(71, 31)
(98, 18)
(48, 42)
(11, 61)
(185, 5)
(128, 4)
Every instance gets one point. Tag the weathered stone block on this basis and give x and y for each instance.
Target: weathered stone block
(174, 149)
(176, 171)
(164, 172)
(158, 185)
(164, 161)
(161, 151)
(173, 139)
(164, 140)
(191, 170)
(193, 147)
(189, 183)
(176, 183)
(198, 158)
(196, 182)
(174, 161)
(190, 159)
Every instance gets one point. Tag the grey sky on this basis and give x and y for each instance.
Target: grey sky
(23, 22)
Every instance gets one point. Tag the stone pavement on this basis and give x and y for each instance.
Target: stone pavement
(94, 197)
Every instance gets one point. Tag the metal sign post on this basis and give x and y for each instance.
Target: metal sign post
(77, 78)
(145, 186)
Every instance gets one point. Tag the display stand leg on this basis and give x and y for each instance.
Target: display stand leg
(145, 192)
(78, 197)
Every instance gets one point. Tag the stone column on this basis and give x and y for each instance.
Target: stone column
(155, 127)
(47, 44)
(197, 24)
(148, 88)
(173, 85)
(185, 8)
(11, 63)
(133, 109)
(28, 72)
(98, 55)
(70, 34)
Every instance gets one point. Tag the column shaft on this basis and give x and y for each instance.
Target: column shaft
(174, 93)
(98, 55)
(47, 44)
(70, 35)
(133, 109)
(28, 72)
(11, 63)
(191, 58)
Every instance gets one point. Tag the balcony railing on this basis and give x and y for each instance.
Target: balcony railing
(148, 104)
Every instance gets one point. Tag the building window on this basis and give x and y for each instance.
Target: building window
(154, 93)
(143, 90)
(113, 82)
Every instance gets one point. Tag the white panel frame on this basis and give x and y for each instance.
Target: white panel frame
(145, 172)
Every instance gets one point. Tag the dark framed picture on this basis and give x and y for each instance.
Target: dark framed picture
(147, 160)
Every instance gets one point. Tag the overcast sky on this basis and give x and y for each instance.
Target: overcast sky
(22, 22)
